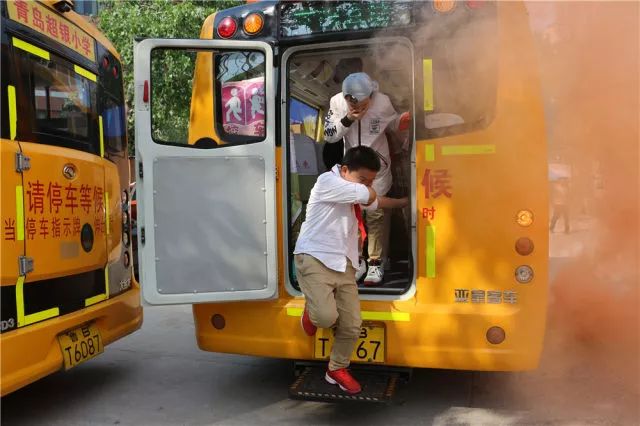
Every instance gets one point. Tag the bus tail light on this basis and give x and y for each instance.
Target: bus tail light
(444, 6)
(253, 23)
(227, 27)
(145, 92)
(125, 259)
(475, 4)
(524, 274)
(524, 246)
(495, 335)
(524, 218)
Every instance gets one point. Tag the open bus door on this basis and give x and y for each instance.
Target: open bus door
(207, 212)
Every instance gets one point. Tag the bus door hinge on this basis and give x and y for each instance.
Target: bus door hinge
(22, 162)
(25, 265)
(277, 174)
(140, 174)
(142, 238)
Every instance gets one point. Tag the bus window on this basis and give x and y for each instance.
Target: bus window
(64, 100)
(459, 66)
(239, 104)
(114, 126)
(240, 109)
(64, 103)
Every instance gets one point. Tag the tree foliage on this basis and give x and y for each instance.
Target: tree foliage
(124, 20)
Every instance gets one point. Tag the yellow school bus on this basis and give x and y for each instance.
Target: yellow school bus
(66, 260)
(221, 201)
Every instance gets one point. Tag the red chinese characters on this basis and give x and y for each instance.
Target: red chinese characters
(437, 183)
(9, 230)
(86, 45)
(98, 200)
(85, 198)
(36, 197)
(54, 194)
(72, 199)
(44, 228)
(76, 226)
(36, 15)
(65, 35)
(429, 213)
(69, 207)
(31, 228)
(55, 227)
(22, 10)
(66, 227)
(52, 26)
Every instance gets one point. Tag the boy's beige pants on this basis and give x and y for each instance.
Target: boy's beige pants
(332, 301)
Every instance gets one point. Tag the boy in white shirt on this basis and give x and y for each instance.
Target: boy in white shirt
(360, 115)
(327, 253)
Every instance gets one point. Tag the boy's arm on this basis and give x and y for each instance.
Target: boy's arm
(336, 123)
(388, 203)
(334, 189)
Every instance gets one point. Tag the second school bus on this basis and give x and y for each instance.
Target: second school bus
(66, 284)
(220, 204)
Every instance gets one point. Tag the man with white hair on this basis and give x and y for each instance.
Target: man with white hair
(360, 115)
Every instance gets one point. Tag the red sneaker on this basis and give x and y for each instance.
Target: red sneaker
(306, 324)
(344, 379)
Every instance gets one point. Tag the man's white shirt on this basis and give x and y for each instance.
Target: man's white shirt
(380, 116)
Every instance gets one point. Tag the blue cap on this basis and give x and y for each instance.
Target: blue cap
(358, 85)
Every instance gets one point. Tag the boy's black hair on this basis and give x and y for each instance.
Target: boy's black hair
(361, 157)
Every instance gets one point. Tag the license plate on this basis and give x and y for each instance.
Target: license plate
(80, 344)
(370, 347)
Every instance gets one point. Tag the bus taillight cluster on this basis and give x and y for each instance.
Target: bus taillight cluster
(252, 24)
(524, 247)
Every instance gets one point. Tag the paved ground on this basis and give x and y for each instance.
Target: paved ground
(157, 376)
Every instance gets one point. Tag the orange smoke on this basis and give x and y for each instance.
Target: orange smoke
(589, 61)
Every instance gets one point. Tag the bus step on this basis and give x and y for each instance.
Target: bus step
(378, 383)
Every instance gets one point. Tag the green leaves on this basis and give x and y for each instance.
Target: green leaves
(124, 20)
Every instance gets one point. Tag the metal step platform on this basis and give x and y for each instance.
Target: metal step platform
(379, 383)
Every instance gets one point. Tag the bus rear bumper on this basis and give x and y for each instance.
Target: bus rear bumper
(33, 352)
(444, 340)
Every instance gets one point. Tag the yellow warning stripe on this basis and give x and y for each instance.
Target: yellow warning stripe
(100, 297)
(366, 315)
(28, 47)
(101, 136)
(427, 83)
(13, 116)
(19, 213)
(430, 252)
(468, 149)
(429, 152)
(95, 299)
(31, 318)
(106, 210)
(106, 280)
(86, 73)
